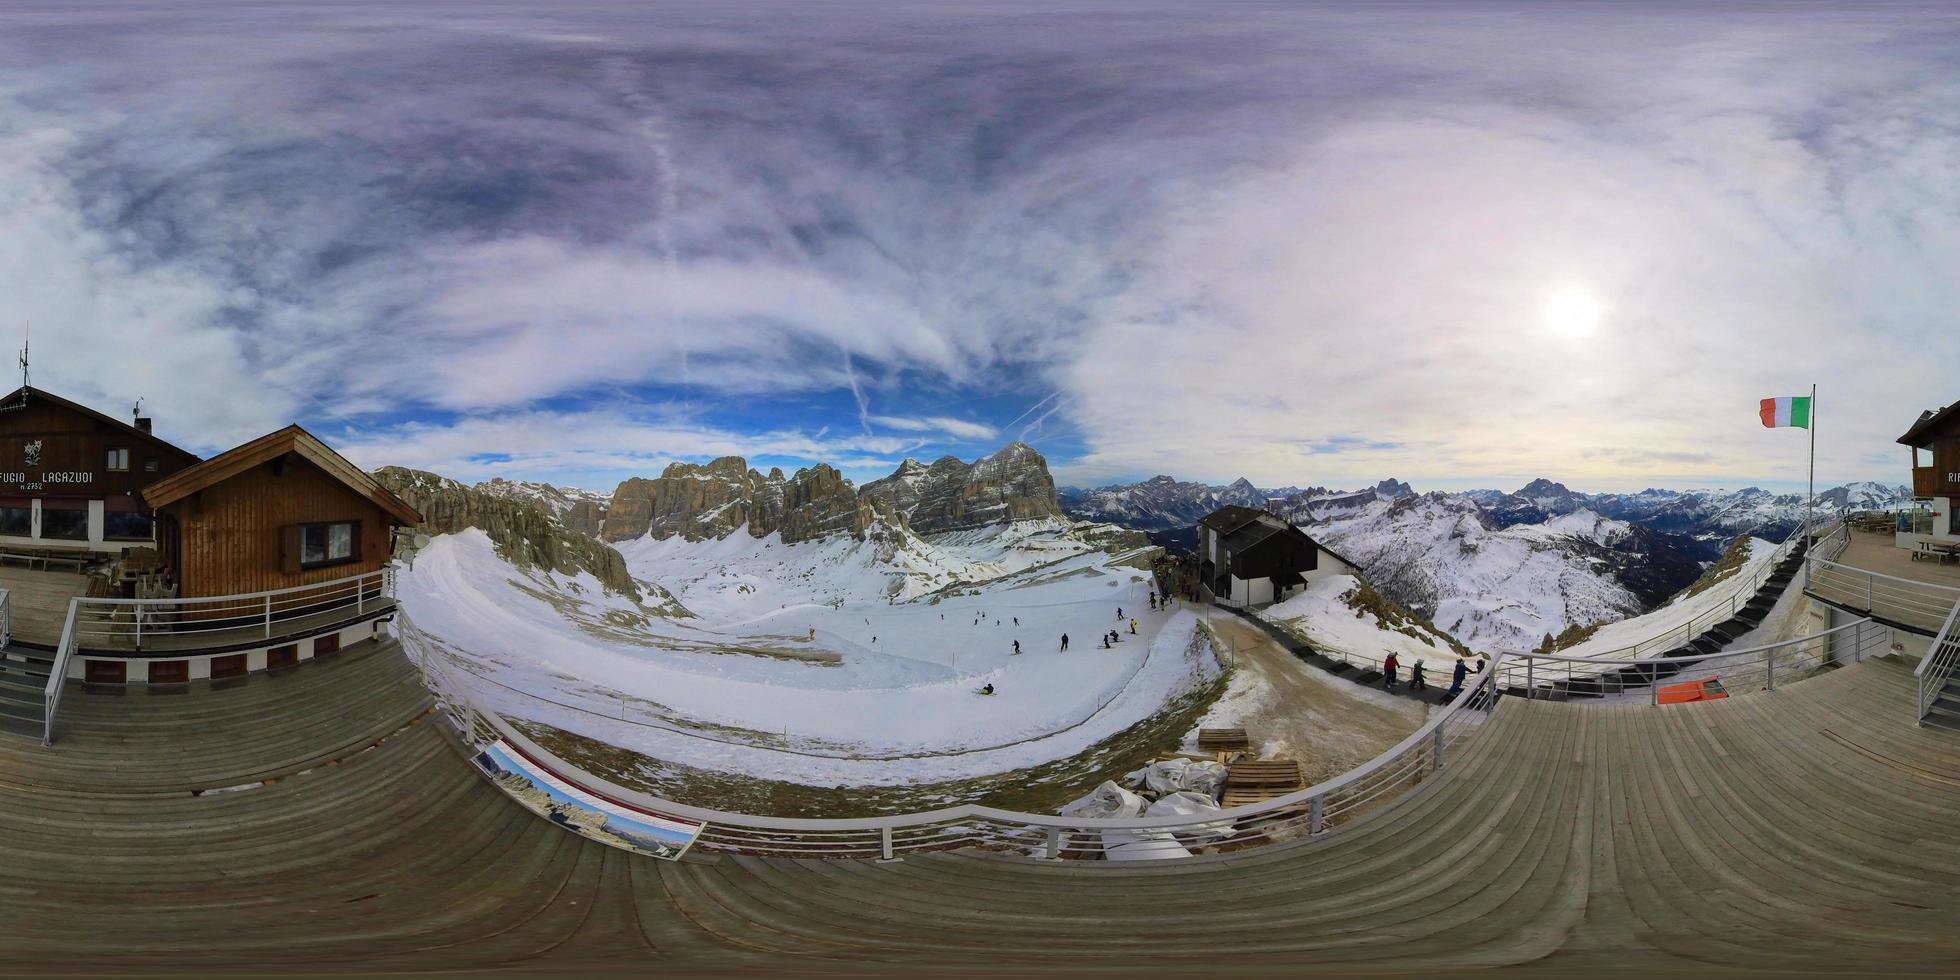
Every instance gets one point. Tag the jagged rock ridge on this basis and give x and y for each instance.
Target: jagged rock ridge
(1010, 485)
(525, 534)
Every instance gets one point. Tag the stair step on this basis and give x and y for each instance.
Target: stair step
(16, 711)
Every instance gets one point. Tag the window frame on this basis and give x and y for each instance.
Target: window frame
(107, 535)
(116, 455)
(353, 544)
(46, 510)
(27, 531)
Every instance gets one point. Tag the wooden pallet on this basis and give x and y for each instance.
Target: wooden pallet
(1223, 740)
(1253, 782)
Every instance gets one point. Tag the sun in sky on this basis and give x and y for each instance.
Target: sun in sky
(1573, 311)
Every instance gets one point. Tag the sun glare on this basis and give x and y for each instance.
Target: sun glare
(1573, 311)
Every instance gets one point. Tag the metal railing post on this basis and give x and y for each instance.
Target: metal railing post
(139, 626)
(1053, 849)
(1316, 816)
(268, 616)
(1436, 750)
(885, 843)
(1531, 680)
(1769, 658)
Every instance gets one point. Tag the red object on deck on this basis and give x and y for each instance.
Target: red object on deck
(1709, 689)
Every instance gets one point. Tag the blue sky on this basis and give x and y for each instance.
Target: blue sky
(1304, 244)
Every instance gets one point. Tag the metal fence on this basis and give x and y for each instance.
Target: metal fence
(1541, 675)
(131, 625)
(1937, 667)
(123, 626)
(1907, 602)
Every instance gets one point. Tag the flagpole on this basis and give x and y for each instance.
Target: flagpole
(1811, 500)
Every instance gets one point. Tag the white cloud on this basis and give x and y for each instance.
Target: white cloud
(957, 428)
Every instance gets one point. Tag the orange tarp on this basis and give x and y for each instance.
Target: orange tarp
(1702, 690)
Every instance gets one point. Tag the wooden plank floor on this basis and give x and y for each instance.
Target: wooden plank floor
(38, 600)
(1802, 829)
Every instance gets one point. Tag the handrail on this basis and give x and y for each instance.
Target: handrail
(64, 652)
(1937, 666)
(1310, 811)
(1538, 674)
(124, 624)
(6, 617)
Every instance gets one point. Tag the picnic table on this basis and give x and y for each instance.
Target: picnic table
(1937, 551)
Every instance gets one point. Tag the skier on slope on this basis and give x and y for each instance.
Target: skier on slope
(1017, 648)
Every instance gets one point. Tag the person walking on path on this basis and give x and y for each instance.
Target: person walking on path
(1017, 648)
(1064, 642)
(1416, 681)
(1388, 671)
(1456, 678)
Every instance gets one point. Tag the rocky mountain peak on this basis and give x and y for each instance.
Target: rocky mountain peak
(1010, 484)
(1392, 488)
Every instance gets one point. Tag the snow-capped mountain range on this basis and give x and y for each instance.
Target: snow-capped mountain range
(1498, 570)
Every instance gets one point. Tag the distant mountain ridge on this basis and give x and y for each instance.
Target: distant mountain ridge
(1498, 570)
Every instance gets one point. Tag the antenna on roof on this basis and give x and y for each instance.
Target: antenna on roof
(137, 412)
(25, 340)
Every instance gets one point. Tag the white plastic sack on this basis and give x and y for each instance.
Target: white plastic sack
(1109, 800)
(1189, 804)
(1166, 776)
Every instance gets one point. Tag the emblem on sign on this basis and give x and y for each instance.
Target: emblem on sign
(34, 453)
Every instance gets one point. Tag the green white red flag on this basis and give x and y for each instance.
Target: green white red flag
(1794, 411)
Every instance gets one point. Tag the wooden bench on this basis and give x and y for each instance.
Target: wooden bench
(78, 558)
(1256, 782)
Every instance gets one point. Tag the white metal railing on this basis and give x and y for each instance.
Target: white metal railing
(1908, 602)
(1316, 810)
(1936, 668)
(6, 617)
(1833, 543)
(138, 624)
(1541, 675)
(116, 626)
(1742, 589)
(64, 651)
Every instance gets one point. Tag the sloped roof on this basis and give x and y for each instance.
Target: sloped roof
(31, 392)
(1229, 518)
(268, 447)
(1931, 425)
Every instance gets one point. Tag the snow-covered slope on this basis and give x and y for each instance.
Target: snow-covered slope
(836, 661)
(555, 500)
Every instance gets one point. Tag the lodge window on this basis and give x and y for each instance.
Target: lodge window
(127, 525)
(150, 464)
(320, 545)
(59, 522)
(17, 520)
(118, 461)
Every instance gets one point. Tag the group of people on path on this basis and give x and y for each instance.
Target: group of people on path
(1417, 682)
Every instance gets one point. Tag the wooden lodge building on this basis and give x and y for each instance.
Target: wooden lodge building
(1249, 558)
(1935, 517)
(138, 561)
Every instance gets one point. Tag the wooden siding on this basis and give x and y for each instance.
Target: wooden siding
(75, 444)
(228, 535)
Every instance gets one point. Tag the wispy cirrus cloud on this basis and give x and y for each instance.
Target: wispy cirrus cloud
(1301, 244)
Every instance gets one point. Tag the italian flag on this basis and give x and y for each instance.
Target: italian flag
(1786, 411)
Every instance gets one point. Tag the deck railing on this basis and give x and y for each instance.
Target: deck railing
(127, 625)
(1937, 667)
(1543, 675)
(64, 651)
(1316, 810)
(203, 622)
(1741, 589)
(6, 617)
(1907, 602)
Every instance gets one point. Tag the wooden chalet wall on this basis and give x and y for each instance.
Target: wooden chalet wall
(1945, 477)
(74, 447)
(229, 535)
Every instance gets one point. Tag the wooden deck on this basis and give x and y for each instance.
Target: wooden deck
(1805, 829)
(39, 600)
(1876, 553)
